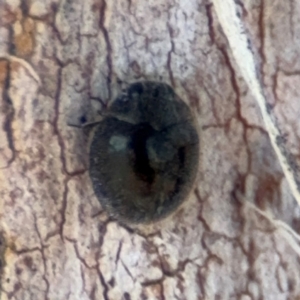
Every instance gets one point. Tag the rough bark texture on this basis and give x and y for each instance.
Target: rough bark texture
(63, 59)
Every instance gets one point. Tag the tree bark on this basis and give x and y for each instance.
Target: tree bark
(235, 237)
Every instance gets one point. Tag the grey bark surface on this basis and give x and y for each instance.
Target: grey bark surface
(60, 60)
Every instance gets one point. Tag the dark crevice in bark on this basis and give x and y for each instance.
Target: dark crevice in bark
(261, 50)
(104, 285)
(63, 209)
(43, 258)
(169, 59)
(208, 9)
(108, 47)
(236, 89)
(9, 113)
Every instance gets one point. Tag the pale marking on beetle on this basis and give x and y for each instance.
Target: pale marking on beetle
(118, 142)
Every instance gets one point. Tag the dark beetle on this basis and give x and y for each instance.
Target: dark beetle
(144, 153)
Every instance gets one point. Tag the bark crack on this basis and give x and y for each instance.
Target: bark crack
(108, 47)
(9, 112)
